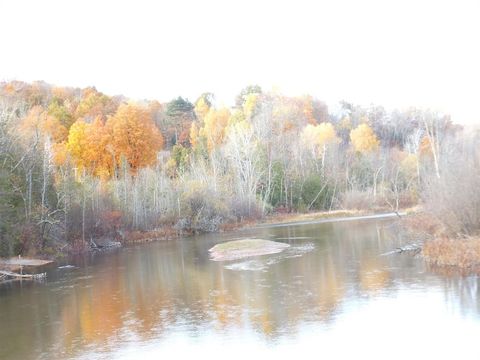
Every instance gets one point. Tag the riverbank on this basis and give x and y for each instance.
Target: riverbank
(168, 232)
(273, 220)
(326, 219)
(441, 251)
(437, 250)
(462, 253)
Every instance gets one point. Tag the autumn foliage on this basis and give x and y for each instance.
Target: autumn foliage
(363, 139)
(214, 127)
(133, 136)
(72, 159)
(99, 147)
(38, 123)
(319, 136)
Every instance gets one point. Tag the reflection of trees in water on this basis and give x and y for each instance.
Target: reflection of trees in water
(373, 277)
(157, 289)
(462, 292)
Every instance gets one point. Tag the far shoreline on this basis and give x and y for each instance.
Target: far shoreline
(326, 219)
(440, 257)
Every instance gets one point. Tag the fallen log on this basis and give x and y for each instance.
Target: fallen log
(24, 262)
(410, 248)
(9, 274)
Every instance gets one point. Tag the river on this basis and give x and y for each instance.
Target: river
(331, 294)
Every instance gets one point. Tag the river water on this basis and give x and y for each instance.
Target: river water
(332, 294)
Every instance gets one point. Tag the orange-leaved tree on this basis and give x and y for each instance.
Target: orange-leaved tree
(38, 123)
(89, 147)
(134, 136)
(93, 103)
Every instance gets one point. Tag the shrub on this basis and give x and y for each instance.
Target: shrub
(464, 253)
(316, 194)
(357, 200)
(454, 198)
(5, 250)
(244, 208)
(201, 210)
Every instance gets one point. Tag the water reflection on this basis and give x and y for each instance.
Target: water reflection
(155, 294)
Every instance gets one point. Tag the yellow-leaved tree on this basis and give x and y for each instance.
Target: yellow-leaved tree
(319, 137)
(193, 134)
(89, 148)
(250, 104)
(363, 139)
(77, 145)
(201, 109)
(214, 129)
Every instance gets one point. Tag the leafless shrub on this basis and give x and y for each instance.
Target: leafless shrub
(454, 197)
(357, 200)
(397, 200)
(242, 208)
(202, 210)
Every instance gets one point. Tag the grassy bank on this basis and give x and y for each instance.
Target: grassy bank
(170, 233)
(463, 253)
(442, 250)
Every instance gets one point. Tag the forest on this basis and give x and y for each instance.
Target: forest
(78, 165)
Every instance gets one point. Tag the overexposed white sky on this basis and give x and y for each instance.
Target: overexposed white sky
(395, 53)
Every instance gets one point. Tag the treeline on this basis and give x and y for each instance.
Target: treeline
(76, 164)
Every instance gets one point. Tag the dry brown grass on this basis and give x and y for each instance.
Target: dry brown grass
(422, 223)
(463, 253)
(443, 253)
(235, 225)
(281, 218)
(294, 217)
(163, 233)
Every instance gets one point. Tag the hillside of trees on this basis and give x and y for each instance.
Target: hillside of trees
(76, 164)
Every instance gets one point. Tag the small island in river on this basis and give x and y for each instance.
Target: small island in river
(238, 249)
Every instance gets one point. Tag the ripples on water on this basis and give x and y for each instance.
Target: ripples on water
(330, 294)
